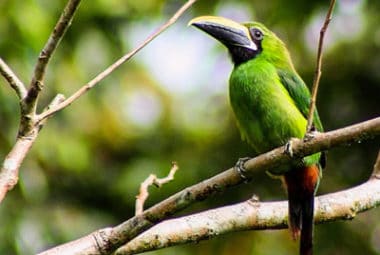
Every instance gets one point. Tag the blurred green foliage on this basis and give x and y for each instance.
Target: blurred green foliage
(170, 103)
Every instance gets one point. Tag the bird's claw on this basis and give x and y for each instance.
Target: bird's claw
(255, 198)
(310, 136)
(289, 147)
(239, 166)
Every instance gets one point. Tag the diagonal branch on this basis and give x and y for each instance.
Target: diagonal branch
(60, 28)
(12, 79)
(253, 215)
(318, 72)
(108, 240)
(115, 65)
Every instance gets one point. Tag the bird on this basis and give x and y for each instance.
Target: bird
(270, 102)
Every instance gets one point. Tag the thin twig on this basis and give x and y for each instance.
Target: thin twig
(46, 53)
(115, 65)
(107, 240)
(318, 69)
(152, 180)
(12, 79)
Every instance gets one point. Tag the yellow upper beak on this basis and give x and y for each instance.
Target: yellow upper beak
(217, 20)
(227, 31)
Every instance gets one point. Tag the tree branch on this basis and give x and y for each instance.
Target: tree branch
(29, 127)
(17, 85)
(59, 30)
(115, 65)
(11, 165)
(12, 162)
(318, 69)
(30, 123)
(251, 215)
(107, 240)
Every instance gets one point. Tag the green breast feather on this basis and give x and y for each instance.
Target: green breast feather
(269, 106)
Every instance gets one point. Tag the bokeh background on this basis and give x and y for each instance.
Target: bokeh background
(170, 103)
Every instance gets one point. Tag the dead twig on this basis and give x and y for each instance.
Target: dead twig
(318, 69)
(152, 180)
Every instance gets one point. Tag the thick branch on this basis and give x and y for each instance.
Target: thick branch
(251, 215)
(123, 233)
(318, 69)
(12, 162)
(11, 165)
(12, 79)
(115, 65)
(60, 28)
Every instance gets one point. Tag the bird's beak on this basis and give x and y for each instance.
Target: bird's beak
(227, 31)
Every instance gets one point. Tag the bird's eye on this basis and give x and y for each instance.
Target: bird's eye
(257, 34)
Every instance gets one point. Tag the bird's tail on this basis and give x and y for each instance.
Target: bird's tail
(301, 186)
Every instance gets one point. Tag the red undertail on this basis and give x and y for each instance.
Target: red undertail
(301, 186)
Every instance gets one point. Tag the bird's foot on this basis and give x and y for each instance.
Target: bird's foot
(239, 166)
(289, 147)
(310, 135)
(254, 199)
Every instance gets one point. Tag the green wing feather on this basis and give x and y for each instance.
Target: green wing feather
(300, 94)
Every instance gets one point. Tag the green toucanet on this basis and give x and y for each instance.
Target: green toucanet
(271, 104)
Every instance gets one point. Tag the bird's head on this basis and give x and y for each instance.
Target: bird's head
(244, 41)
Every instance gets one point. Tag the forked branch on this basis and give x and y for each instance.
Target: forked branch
(30, 122)
(29, 128)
